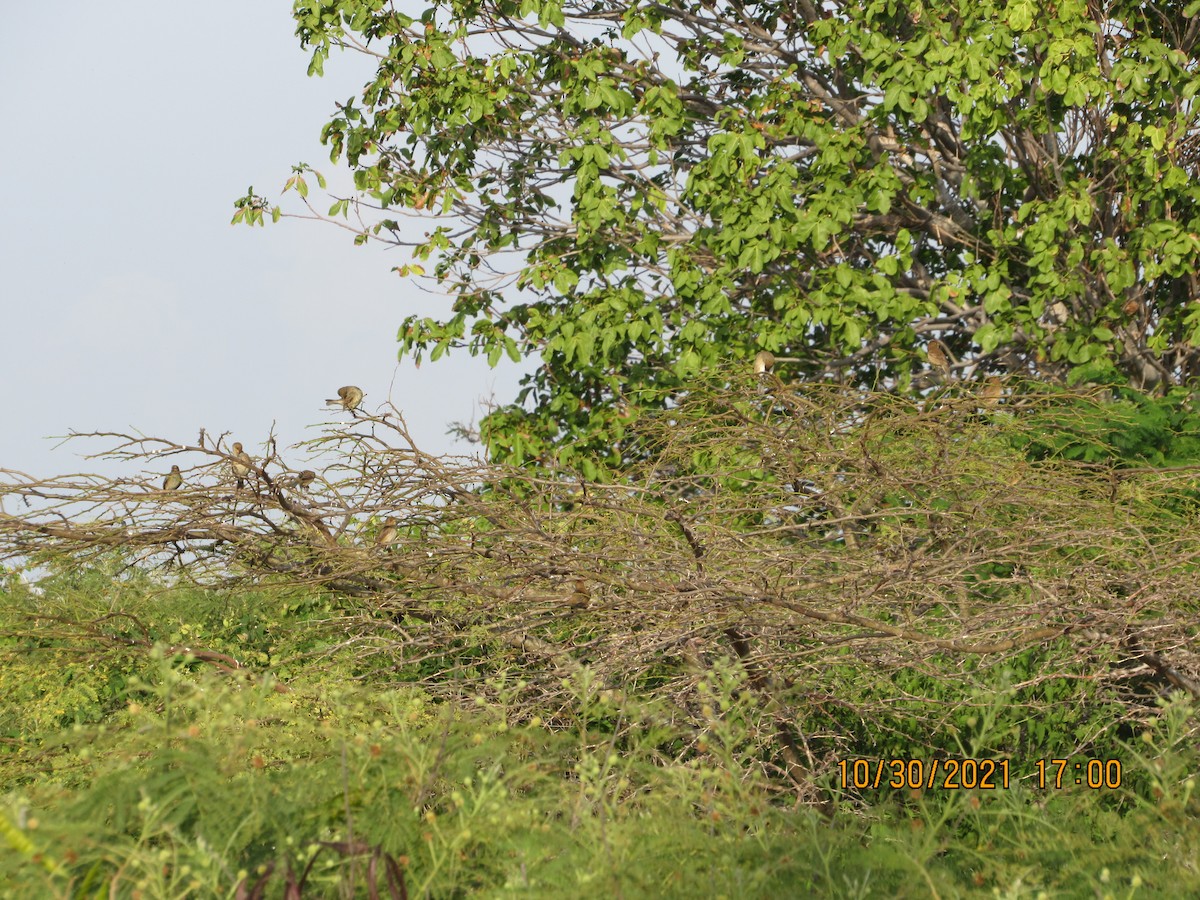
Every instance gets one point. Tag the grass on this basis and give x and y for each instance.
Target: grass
(149, 775)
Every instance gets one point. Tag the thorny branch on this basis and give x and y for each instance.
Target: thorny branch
(812, 537)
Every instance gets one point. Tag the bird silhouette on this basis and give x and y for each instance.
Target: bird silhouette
(348, 397)
(174, 480)
(241, 464)
(305, 478)
(387, 534)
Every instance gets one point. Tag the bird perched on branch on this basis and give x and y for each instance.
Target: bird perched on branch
(174, 480)
(580, 597)
(387, 534)
(348, 397)
(939, 356)
(299, 481)
(763, 362)
(992, 389)
(241, 464)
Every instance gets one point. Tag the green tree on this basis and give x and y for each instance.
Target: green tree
(636, 193)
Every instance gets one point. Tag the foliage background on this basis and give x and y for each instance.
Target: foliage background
(778, 584)
(638, 194)
(664, 638)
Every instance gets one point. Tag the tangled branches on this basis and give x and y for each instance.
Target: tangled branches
(851, 558)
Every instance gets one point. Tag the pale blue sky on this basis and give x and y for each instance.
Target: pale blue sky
(127, 299)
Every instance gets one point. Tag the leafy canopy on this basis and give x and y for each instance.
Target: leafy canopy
(636, 193)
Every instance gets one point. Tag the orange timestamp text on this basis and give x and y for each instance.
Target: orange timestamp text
(975, 774)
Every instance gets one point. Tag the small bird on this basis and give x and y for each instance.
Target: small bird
(580, 597)
(173, 480)
(349, 397)
(305, 478)
(763, 361)
(939, 356)
(992, 389)
(387, 534)
(1057, 314)
(241, 464)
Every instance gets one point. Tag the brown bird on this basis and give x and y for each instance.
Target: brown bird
(765, 360)
(241, 464)
(939, 356)
(387, 534)
(173, 481)
(992, 390)
(349, 397)
(305, 478)
(580, 597)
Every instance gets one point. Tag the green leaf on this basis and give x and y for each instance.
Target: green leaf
(1019, 15)
(639, 193)
(852, 334)
(987, 336)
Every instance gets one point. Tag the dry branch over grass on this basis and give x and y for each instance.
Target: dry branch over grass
(855, 559)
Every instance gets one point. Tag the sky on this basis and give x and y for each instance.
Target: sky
(128, 301)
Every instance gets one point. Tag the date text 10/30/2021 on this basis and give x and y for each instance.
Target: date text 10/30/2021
(976, 774)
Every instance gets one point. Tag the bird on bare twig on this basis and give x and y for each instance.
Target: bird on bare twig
(300, 481)
(765, 360)
(387, 534)
(241, 464)
(992, 390)
(348, 397)
(939, 356)
(174, 480)
(580, 597)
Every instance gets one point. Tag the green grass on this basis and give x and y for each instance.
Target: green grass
(130, 772)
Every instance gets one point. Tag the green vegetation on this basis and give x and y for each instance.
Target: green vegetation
(661, 643)
(639, 653)
(638, 193)
(798, 579)
(146, 777)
